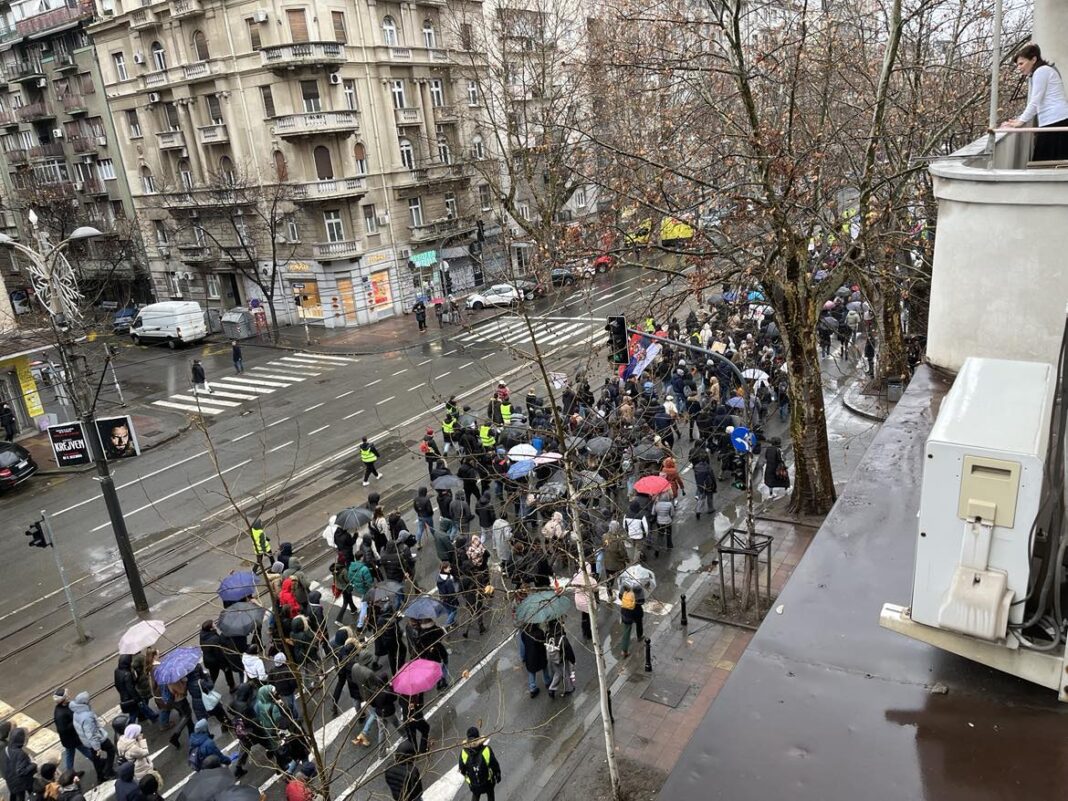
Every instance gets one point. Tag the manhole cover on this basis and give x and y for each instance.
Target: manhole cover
(666, 691)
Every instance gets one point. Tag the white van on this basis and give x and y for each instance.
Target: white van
(173, 322)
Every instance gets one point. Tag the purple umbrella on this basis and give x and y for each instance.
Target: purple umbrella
(176, 665)
(416, 677)
(237, 586)
(736, 402)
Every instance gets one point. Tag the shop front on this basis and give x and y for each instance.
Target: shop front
(362, 291)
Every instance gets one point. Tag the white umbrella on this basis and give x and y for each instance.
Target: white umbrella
(520, 453)
(639, 574)
(141, 635)
(754, 374)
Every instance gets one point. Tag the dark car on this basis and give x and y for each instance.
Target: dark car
(123, 319)
(562, 277)
(16, 465)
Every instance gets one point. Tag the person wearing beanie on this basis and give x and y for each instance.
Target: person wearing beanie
(478, 765)
(132, 747)
(403, 777)
(298, 788)
(202, 745)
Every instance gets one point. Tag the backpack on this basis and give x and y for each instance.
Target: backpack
(554, 649)
(195, 759)
(628, 600)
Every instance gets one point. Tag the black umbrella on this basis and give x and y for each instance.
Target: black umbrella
(379, 594)
(514, 433)
(205, 785)
(647, 452)
(588, 478)
(599, 446)
(353, 518)
(449, 482)
(240, 619)
(238, 792)
(574, 443)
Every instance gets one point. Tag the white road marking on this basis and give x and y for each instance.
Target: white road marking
(185, 407)
(344, 394)
(425, 361)
(348, 416)
(279, 447)
(487, 356)
(315, 406)
(209, 400)
(417, 386)
(321, 428)
(274, 375)
(449, 353)
(238, 439)
(276, 422)
(220, 394)
(256, 382)
(462, 366)
(243, 387)
(372, 383)
(386, 400)
(326, 358)
(439, 377)
(405, 370)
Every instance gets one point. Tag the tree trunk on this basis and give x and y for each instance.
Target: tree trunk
(893, 359)
(274, 317)
(813, 491)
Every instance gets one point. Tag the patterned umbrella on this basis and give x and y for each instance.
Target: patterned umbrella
(176, 665)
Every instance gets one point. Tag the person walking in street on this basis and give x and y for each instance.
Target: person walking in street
(419, 309)
(402, 777)
(132, 747)
(580, 581)
(535, 659)
(261, 544)
(93, 737)
(19, 769)
(424, 515)
(200, 379)
(869, 355)
(631, 610)
(216, 659)
(202, 745)
(705, 479)
(616, 555)
(776, 473)
(428, 446)
(7, 420)
(561, 660)
(68, 734)
(664, 515)
(368, 455)
(479, 766)
(637, 529)
(235, 354)
(448, 432)
(486, 515)
(126, 686)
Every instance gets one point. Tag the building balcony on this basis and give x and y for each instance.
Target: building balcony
(330, 190)
(24, 71)
(94, 186)
(142, 18)
(318, 122)
(49, 150)
(439, 229)
(196, 70)
(444, 115)
(407, 117)
(418, 54)
(156, 79)
(432, 172)
(170, 140)
(185, 8)
(215, 134)
(75, 104)
(195, 254)
(19, 156)
(327, 251)
(35, 111)
(7, 118)
(87, 144)
(303, 54)
(56, 18)
(9, 35)
(9, 221)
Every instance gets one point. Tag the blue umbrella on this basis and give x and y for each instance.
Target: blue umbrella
(736, 402)
(237, 586)
(176, 665)
(424, 608)
(520, 469)
(755, 295)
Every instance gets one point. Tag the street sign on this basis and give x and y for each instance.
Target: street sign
(69, 445)
(427, 258)
(743, 440)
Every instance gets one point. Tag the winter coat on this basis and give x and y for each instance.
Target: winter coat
(364, 675)
(480, 776)
(344, 541)
(615, 549)
(282, 679)
(144, 683)
(204, 745)
(403, 777)
(422, 504)
(502, 539)
(360, 578)
(664, 510)
(448, 591)
(126, 685)
(88, 727)
(64, 720)
(137, 753)
(534, 656)
(211, 644)
(580, 581)
(705, 477)
(18, 767)
(269, 715)
(429, 644)
(286, 596)
(126, 788)
(772, 460)
(393, 566)
(485, 511)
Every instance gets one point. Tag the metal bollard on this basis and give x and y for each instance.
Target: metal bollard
(611, 717)
(648, 655)
(683, 619)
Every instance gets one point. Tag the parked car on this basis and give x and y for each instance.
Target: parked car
(496, 295)
(531, 289)
(123, 319)
(561, 276)
(16, 465)
(175, 322)
(603, 263)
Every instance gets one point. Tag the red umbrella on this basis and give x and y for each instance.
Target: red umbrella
(652, 485)
(417, 676)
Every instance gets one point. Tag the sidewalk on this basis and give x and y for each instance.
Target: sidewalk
(393, 333)
(152, 430)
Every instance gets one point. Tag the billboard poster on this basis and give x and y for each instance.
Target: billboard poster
(117, 437)
(69, 445)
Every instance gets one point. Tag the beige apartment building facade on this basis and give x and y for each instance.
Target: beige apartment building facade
(347, 131)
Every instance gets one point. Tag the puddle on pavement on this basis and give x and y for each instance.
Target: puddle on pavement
(689, 564)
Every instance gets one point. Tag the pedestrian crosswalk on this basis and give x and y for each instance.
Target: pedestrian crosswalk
(232, 391)
(518, 332)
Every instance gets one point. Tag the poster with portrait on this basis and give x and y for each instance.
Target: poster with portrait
(117, 437)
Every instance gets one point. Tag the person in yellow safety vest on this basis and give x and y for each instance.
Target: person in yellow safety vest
(479, 766)
(486, 437)
(650, 325)
(261, 545)
(448, 428)
(452, 407)
(368, 455)
(506, 411)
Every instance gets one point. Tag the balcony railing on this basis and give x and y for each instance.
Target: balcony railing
(94, 186)
(325, 251)
(19, 156)
(142, 18)
(157, 78)
(34, 111)
(327, 190)
(87, 144)
(192, 254)
(169, 140)
(185, 8)
(198, 69)
(214, 134)
(409, 116)
(73, 104)
(446, 114)
(25, 70)
(54, 18)
(7, 118)
(320, 122)
(300, 54)
(46, 151)
(400, 53)
(440, 228)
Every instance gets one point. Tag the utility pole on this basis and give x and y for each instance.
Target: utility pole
(51, 542)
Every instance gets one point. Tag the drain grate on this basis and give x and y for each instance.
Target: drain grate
(666, 691)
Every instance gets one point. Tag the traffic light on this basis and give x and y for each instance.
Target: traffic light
(618, 347)
(36, 535)
(448, 283)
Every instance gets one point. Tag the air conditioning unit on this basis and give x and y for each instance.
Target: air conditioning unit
(139, 58)
(383, 218)
(109, 12)
(102, 141)
(57, 133)
(260, 15)
(335, 78)
(42, 83)
(153, 97)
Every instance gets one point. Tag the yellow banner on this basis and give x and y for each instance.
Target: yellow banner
(29, 388)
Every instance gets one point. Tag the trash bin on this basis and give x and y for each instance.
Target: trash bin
(213, 321)
(894, 389)
(238, 324)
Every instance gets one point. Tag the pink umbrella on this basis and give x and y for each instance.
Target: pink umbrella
(416, 677)
(548, 458)
(828, 305)
(652, 485)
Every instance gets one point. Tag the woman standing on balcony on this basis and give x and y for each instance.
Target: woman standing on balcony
(1046, 101)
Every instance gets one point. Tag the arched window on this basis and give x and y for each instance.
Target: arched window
(226, 171)
(360, 154)
(148, 183)
(430, 39)
(407, 154)
(478, 148)
(324, 170)
(200, 46)
(159, 56)
(389, 31)
(185, 174)
(444, 153)
(280, 168)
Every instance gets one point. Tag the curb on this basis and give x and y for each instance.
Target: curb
(855, 409)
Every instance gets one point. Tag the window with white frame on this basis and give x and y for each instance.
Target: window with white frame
(389, 31)
(472, 93)
(430, 39)
(485, 197)
(359, 153)
(396, 88)
(437, 93)
(162, 237)
(451, 211)
(175, 284)
(200, 235)
(159, 57)
(580, 197)
(478, 147)
(444, 152)
(524, 211)
(134, 124)
(106, 168)
(185, 173)
(335, 228)
(348, 89)
(120, 66)
(213, 286)
(407, 154)
(292, 232)
(148, 182)
(370, 219)
(415, 210)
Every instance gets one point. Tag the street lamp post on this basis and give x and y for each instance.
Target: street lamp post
(56, 287)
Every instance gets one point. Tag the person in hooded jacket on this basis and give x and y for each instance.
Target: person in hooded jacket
(486, 514)
(70, 786)
(197, 684)
(216, 658)
(19, 769)
(317, 621)
(93, 737)
(365, 673)
(535, 659)
(133, 748)
(143, 682)
(149, 787)
(479, 766)
(63, 718)
(343, 542)
(424, 516)
(126, 687)
(284, 682)
(126, 788)
(271, 718)
(705, 479)
(246, 725)
(402, 777)
(202, 745)
(45, 787)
